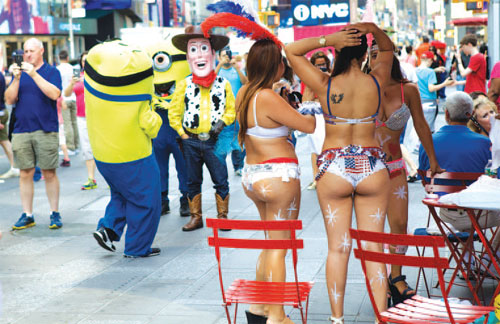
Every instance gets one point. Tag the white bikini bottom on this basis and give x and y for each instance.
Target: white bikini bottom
(256, 172)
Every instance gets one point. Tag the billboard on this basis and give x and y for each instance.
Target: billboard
(25, 17)
(320, 12)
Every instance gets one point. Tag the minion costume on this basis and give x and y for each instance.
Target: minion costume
(493, 316)
(202, 105)
(118, 91)
(170, 66)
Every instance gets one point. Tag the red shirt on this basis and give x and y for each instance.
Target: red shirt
(78, 89)
(476, 80)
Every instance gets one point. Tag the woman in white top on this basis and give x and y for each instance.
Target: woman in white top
(271, 174)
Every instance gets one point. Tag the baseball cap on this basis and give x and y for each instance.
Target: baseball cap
(427, 55)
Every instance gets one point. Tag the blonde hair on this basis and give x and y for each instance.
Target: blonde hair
(479, 102)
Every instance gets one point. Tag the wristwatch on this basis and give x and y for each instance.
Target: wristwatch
(322, 41)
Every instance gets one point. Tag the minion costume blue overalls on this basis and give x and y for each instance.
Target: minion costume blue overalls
(118, 93)
(170, 66)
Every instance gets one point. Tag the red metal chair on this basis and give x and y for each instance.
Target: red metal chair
(417, 309)
(453, 240)
(261, 292)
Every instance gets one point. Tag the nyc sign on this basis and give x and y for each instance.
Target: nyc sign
(320, 12)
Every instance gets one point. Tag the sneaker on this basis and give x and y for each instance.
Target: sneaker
(55, 220)
(13, 172)
(90, 184)
(165, 207)
(184, 208)
(65, 163)
(102, 238)
(238, 172)
(312, 186)
(24, 222)
(154, 252)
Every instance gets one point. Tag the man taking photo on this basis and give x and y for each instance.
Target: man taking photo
(34, 90)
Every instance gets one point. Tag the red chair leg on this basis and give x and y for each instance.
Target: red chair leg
(235, 312)
(227, 314)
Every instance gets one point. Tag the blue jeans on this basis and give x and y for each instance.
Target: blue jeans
(430, 112)
(238, 158)
(197, 153)
(460, 87)
(164, 145)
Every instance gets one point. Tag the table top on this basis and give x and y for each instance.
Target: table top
(435, 203)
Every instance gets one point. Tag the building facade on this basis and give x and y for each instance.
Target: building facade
(48, 20)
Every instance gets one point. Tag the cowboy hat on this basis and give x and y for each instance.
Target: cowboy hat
(180, 41)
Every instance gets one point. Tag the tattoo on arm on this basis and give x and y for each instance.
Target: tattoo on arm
(334, 98)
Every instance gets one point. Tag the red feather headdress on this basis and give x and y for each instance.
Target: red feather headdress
(238, 19)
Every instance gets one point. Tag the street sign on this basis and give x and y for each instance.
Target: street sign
(320, 12)
(477, 5)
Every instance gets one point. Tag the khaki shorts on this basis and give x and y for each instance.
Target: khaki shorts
(461, 221)
(36, 148)
(4, 118)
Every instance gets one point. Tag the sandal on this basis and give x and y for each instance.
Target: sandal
(398, 297)
(255, 319)
(412, 179)
(336, 320)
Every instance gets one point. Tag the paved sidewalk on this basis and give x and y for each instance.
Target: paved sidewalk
(63, 276)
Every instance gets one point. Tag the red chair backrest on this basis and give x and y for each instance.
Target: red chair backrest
(249, 243)
(435, 261)
(261, 244)
(434, 242)
(463, 177)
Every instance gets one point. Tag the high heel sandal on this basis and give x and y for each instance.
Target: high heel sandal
(336, 320)
(398, 297)
(255, 319)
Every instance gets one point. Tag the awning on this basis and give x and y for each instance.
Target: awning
(470, 21)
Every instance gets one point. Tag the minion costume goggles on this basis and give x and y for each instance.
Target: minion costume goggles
(120, 81)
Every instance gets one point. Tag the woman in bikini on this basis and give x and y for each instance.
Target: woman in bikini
(352, 169)
(400, 100)
(271, 174)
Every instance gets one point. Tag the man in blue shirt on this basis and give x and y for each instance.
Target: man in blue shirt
(427, 85)
(458, 149)
(34, 90)
(228, 138)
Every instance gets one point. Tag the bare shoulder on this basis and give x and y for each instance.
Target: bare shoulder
(268, 97)
(411, 89)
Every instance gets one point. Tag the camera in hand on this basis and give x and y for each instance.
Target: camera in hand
(76, 72)
(18, 59)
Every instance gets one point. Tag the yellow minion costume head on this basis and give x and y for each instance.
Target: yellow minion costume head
(118, 92)
(169, 65)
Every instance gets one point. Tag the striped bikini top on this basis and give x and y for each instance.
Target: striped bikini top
(335, 120)
(398, 119)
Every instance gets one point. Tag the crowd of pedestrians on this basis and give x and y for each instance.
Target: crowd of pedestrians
(361, 157)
